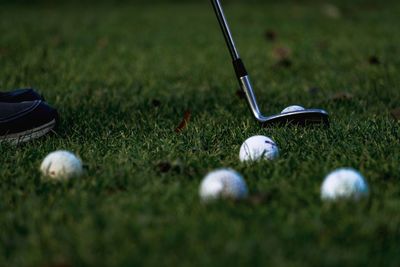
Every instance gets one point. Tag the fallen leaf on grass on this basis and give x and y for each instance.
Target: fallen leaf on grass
(184, 122)
(164, 166)
(322, 45)
(282, 55)
(114, 191)
(282, 52)
(258, 199)
(284, 63)
(341, 96)
(102, 42)
(270, 35)
(155, 103)
(396, 114)
(314, 90)
(374, 60)
(331, 11)
(56, 41)
(3, 50)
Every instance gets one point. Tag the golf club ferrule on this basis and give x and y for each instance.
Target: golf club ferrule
(240, 69)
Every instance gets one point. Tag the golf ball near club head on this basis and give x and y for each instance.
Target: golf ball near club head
(61, 165)
(292, 109)
(258, 147)
(223, 183)
(344, 183)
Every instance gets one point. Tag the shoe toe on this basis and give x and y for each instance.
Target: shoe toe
(24, 117)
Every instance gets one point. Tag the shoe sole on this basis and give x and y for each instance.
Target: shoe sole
(25, 136)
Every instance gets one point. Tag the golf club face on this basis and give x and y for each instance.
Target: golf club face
(300, 118)
(303, 117)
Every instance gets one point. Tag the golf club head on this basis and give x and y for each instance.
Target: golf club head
(301, 118)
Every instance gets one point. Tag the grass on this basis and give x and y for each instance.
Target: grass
(122, 77)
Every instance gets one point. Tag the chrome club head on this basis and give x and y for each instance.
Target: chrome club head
(303, 117)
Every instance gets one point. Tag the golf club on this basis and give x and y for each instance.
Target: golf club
(303, 117)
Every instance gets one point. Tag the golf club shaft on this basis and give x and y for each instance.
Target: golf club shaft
(240, 70)
(225, 29)
(237, 62)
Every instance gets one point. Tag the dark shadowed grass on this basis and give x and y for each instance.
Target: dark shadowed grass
(122, 78)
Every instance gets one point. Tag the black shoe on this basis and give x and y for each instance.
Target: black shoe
(20, 95)
(21, 122)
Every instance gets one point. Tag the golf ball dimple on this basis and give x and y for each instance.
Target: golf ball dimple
(292, 109)
(223, 183)
(258, 147)
(61, 165)
(344, 183)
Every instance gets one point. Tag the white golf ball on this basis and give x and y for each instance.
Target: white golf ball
(344, 183)
(292, 109)
(223, 183)
(61, 165)
(258, 147)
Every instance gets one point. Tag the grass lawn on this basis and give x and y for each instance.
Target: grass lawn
(122, 76)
